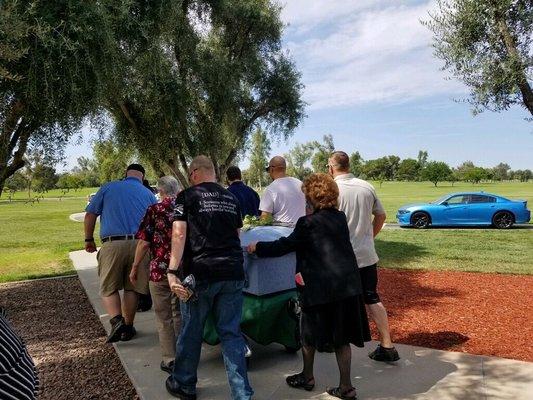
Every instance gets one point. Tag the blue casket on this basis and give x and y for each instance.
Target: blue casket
(267, 275)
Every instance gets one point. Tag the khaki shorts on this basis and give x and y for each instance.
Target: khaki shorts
(114, 266)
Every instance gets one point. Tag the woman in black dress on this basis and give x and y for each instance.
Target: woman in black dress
(333, 310)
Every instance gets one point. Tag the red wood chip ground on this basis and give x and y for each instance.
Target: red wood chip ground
(489, 314)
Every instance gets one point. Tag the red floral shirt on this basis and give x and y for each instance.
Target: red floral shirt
(156, 228)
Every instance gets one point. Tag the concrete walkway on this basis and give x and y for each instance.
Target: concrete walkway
(420, 374)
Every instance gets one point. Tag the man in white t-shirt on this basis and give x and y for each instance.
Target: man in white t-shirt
(283, 198)
(358, 200)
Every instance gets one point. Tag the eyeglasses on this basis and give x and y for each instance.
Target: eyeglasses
(267, 169)
(192, 172)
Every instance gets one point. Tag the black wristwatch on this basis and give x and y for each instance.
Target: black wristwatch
(89, 240)
(172, 271)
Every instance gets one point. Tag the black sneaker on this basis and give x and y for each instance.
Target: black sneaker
(167, 367)
(117, 327)
(128, 332)
(384, 354)
(174, 389)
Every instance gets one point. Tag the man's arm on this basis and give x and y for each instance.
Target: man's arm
(377, 222)
(140, 251)
(179, 236)
(89, 223)
(265, 215)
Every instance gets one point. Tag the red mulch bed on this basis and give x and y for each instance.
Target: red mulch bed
(476, 313)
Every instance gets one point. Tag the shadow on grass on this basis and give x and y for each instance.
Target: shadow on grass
(398, 253)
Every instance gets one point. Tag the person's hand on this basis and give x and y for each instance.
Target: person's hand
(176, 287)
(133, 275)
(251, 247)
(90, 247)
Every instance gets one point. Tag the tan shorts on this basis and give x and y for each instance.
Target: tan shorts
(114, 266)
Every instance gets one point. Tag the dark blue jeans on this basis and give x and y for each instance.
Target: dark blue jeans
(224, 299)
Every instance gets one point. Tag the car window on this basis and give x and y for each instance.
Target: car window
(461, 199)
(479, 198)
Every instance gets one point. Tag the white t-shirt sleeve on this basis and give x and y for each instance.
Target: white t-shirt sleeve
(377, 209)
(267, 202)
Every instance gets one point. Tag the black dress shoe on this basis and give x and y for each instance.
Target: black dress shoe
(167, 367)
(117, 327)
(174, 389)
(128, 332)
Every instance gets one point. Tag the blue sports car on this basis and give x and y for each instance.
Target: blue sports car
(476, 208)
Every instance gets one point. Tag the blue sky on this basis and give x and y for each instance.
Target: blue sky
(371, 81)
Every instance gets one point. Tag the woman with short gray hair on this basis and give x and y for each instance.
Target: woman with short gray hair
(155, 235)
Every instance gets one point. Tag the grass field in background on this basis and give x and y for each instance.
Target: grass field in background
(35, 238)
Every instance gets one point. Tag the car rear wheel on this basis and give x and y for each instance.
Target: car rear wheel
(420, 220)
(503, 220)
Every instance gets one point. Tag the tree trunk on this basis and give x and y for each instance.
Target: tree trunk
(510, 45)
(15, 135)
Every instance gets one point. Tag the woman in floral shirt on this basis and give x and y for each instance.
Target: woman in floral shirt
(155, 235)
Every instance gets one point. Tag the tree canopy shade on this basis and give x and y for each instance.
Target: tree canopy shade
(53, 55)
(201, 76)
(487, 44)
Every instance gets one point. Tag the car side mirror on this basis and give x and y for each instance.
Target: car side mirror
(444, 203)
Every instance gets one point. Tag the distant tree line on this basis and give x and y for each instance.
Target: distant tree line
(306, 158)
(110, 159)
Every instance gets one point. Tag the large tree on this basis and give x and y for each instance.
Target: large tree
(436, 171)
(53, 55)
(201, 76)
(487, 44)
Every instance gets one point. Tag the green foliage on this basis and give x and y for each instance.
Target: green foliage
(297, 160)
(384, 168)
(322, 153)
(487, 44)
(259, 153)
(111, 160)
(200, 78)
(436, 171)
(252, 221)
(356, 164)
(53, 58)
(522, 175)
(408, 170)
(501, 172)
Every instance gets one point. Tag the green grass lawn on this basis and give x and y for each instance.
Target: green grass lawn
(35, 238)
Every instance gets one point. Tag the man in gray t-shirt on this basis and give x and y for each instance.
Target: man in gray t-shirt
(358, 200)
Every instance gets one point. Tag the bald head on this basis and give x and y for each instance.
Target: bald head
(201, 170)
(278, 162)
(277, 167)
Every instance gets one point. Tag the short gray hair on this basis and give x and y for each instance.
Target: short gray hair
(168, 185)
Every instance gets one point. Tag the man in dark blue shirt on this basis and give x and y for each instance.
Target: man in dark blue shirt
(248, 198)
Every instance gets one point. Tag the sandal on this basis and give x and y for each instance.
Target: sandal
(337, 392)
(299, 381)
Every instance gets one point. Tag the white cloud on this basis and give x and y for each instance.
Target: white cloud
(360, 53)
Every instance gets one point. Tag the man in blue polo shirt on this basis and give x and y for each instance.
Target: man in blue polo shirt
(248, 198)
(121, 206)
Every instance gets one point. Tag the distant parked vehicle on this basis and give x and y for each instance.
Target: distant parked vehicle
(465, 209)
